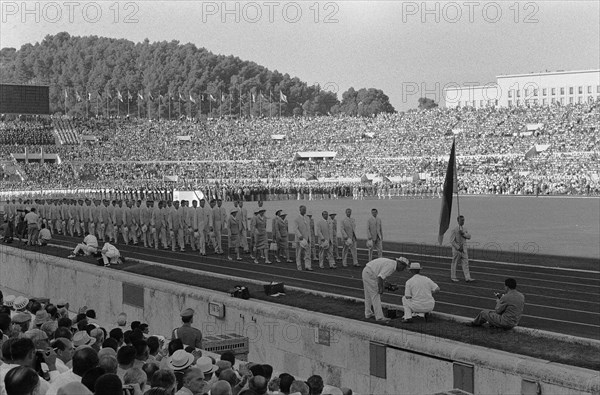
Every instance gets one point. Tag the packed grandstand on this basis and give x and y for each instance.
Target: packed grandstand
(532, 150)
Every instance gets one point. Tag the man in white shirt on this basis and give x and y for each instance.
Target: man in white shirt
(22, 353)
(88, 247)
(110, 254)
(373, 276)
(32, 220)
(84, 359)
(418, 294)
(64, 353)
(374, 235)
(44, 236)
(458, 240)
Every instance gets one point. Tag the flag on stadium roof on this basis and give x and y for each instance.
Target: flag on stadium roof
(77, 96)
(192, 98)
(212, 98)
(119, 96)
(150, 97)
(108, 94)
(129, 97)
(140, 96)
(282, 97)
(253, 98)
(449, 188)
(66, 93)
(89, 96)
(99, 95)
(222, 97)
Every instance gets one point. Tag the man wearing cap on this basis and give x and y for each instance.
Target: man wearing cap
(373, 277)
(281, 236)
(333, 231)
(349, 236)
(302, 233)
(374, 235)
(418, 293)
(189, 335)
(233, 227)
(205, 364)
(324, 239)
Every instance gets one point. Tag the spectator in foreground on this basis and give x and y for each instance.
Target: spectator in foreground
(21, 380)
(509, 308)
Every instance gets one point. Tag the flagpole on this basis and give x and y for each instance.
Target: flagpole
(169, 106)
(260, 105)
(230, 100)
(118, 108)
(87, 108)
(128, 100)
(240, 102)
(279, 104)
(65, 101)
(270, 104)
(221, 105)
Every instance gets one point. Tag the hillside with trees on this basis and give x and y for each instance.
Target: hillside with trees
(89, 74)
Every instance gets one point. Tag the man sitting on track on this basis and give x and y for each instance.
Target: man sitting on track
(88, 247)
(111, 255)
(509, 308)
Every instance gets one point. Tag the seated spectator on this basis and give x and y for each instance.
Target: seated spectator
(90, 377)
(108, 384)
(21, 380)
(88, 247)
(509, 308)
(193, 383)
(44, 237)
(164, 379)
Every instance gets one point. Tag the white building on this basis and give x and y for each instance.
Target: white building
(564, 87)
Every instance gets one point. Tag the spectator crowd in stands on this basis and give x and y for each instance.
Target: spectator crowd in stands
(47, 350)
(233, 153)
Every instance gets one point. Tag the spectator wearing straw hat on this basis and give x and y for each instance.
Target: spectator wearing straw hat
(418, 294)
(189, 335)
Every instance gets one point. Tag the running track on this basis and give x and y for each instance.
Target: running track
(558, 300)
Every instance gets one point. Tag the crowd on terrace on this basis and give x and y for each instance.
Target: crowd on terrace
(491, 146)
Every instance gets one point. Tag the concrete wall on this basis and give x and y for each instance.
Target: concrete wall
(285, 337)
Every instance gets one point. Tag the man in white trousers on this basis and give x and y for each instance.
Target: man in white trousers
(418, 294)
(373, 276)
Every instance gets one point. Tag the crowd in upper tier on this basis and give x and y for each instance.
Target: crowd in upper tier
(491, 147)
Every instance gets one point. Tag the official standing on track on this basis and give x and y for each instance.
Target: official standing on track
(374, 235)
(458, 239)
(373, 276)
(349, 236)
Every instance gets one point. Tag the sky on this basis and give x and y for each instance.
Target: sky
(408, 49)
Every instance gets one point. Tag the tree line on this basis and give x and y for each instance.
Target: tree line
(116, 76)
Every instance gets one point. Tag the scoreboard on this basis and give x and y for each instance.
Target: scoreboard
(24, 99)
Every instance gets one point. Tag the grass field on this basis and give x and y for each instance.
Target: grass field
(538, 226)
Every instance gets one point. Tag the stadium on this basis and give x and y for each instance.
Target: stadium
(192, 223)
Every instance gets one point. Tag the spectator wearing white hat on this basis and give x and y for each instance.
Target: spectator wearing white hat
(208, 368)
(88, 247)
(418, 293)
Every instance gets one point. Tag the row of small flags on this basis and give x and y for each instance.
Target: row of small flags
(140, 96)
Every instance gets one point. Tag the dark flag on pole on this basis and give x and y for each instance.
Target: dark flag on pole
(449, 188)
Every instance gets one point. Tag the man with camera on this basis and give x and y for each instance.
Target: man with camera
(373, 277)
(509, 308)
(22, 352)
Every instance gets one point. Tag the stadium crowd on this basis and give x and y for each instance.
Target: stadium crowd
(409, 149)
(45, 349)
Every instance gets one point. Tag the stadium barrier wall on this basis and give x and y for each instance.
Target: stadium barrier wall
(369, 358)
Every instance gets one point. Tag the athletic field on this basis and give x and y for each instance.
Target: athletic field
(538, 226)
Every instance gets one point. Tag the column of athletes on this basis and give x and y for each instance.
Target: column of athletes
(146, 103)
(175, 225)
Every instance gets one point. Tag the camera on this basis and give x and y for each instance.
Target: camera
(498, 295)
(391, 287)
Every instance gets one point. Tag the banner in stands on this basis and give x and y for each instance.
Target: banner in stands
(188, 195)
(171, 178)
(184, 138)
(277, 136)
(307, 155)
(532, 127)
